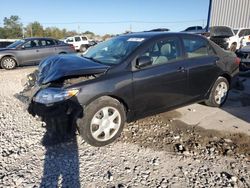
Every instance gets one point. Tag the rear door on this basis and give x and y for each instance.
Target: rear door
(163, 83)
(47, 48)
(201, 63)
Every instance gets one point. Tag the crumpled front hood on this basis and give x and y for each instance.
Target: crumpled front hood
(59, 66)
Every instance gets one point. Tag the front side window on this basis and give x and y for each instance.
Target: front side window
(163, 51)
(31, 44)
(70, 40)
(196, 47)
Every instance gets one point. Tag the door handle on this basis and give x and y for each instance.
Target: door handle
(181, 69)
(37, 50)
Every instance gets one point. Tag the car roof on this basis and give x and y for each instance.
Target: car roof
(34, 38)
(159, 34)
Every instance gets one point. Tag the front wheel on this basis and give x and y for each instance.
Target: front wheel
(218, 93)
(8, 63)
(83, 48)
(103, 121)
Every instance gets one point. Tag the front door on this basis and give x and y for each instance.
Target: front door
(163, 84)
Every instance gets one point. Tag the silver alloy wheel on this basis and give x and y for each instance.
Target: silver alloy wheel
(105, 123)
(221, 92)
(9, 63)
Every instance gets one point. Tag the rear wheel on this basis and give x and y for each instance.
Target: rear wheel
(8, 63)
(103, 121)
(218, 93)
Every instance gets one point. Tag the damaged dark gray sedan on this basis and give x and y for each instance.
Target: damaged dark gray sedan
(126, 78)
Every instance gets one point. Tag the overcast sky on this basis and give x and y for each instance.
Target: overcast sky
(108, 16)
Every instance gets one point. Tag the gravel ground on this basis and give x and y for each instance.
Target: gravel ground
(153, 152)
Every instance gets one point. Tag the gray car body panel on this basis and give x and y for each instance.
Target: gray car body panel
(30, 56)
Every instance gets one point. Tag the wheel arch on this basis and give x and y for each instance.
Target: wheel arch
(10, 55)
(227, 76)
(120, 99)
(224, 75)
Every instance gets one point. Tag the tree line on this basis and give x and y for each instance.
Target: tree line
(14, 29)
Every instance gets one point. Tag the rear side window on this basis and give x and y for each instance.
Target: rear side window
(77, 39)
(84, 38)
(42, 43)
(196, 47)
(50, 42)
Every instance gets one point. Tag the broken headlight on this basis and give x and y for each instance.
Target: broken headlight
(53, 95)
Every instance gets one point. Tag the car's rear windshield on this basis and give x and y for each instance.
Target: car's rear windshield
(221, 31)
(16, 44)
(115, 50)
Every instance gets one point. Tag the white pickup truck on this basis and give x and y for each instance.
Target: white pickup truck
(80, 43)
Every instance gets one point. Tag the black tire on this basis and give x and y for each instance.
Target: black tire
(8, 63)
(83, 48)
(96, 111)
(217, 99)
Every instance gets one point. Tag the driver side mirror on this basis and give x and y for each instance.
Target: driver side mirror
(143, 61)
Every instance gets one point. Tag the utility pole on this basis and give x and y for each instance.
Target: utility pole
(209, 15)
(78, 29)
(23, 31)
(31, 31)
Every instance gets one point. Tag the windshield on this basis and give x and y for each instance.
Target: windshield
(236, 31)
(221, 31)
(113, 51)
(15, 44)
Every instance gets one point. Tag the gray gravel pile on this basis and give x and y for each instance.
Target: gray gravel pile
(153, 152)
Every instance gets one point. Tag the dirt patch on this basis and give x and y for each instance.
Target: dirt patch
(163, 132)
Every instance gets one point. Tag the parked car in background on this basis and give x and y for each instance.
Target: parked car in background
(80, 43)
(244, 55)
(129, 77)
(228, 38)
(31, 51)
(195, 30)
(6, 42)
(245, 41)
(158, 29)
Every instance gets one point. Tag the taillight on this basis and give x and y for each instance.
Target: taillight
(237, 60)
